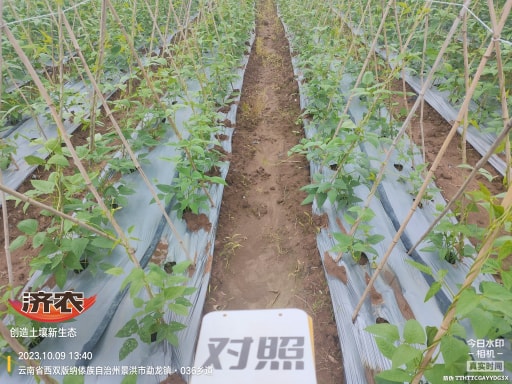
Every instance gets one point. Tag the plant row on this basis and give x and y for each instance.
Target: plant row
(338, 69)
(193, 73)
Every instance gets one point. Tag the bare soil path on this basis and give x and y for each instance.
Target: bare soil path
(265, 253)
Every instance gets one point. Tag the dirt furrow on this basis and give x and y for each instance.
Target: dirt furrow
(265, 253)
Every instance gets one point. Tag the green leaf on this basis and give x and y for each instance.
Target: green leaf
(404, 354)
(179, 309)
(387, 331)
(165, 188)
(368, 78)
(175, 326)
(34, 160)
(374, 239)
(128, 347)
(434, 288)
(115, 271)
(28, 226)
(129, 379)
(386, 347)
(53, 145)
(49, 247)
(482, 322)
(308, 200)
(468, 301)
(453, 350)
(18, 243)
(156, 276)
(43, 186)
(421, 267)
(506, 277)
(71, 261)
(73, 379)
(38, 239)
(320, 199)
(181, 267)
(128, 329)
(78, 246)
(397, 375)
(437, 374)
(58, 159)
(138, 302)
(495, 291)
(332, 195)
(61, 275)
(172, 339)
(413, 332)
(217, 180)
(102, 242)
(172, 293)
(431, 334)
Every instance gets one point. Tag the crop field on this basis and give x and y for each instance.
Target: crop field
(161, 160)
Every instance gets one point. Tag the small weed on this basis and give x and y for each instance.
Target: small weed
(231, 244)
(321, 302)
(299, 271)
(274, 238)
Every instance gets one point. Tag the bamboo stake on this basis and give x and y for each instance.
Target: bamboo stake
(59, 173)
(464, 185)
(131, 38)
(132, 155)
(466, 81)
(441, 153)
(503, 92)
(155, 26)
(473, 273)
(5, 217)
(405, 124)
(404, 84)
(99, 67)
(422, 79)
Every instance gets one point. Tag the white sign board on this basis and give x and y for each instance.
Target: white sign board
(269, 346)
